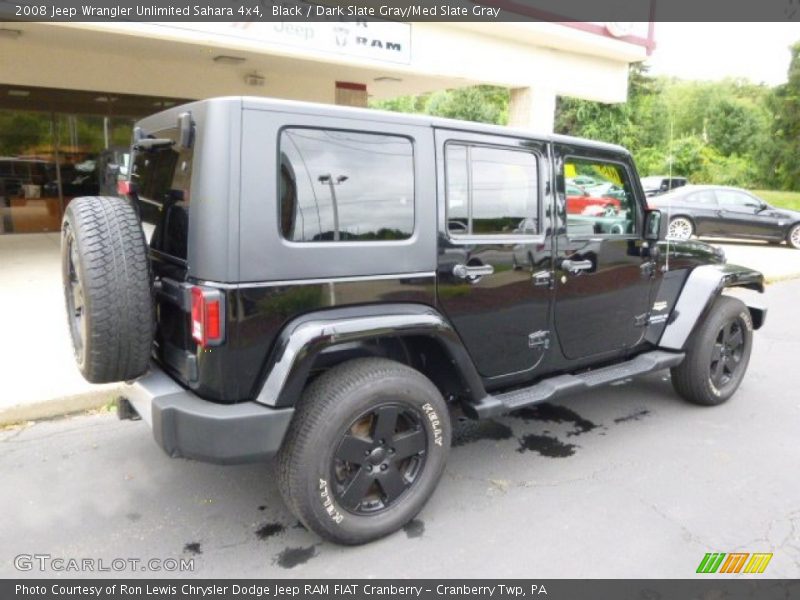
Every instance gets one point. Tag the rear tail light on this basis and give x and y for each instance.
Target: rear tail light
(124, 187)
(208, 316)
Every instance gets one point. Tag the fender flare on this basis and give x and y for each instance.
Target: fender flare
(703, 285)
(303, 338)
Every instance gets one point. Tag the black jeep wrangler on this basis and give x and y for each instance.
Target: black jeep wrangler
(327, 284)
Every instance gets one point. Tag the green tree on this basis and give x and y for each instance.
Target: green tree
(481, 103)
(784, 164)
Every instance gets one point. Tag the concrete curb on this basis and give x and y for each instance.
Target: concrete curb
(780, 278)
(57, 407)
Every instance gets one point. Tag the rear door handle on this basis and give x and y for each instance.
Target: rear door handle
(542, 279)
(470, 272)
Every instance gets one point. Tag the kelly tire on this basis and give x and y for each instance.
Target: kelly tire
(314, 462)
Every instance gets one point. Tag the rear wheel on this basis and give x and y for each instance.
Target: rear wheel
(717, 355)
(365, 450)
(793, 238)
(106, 278)
(680, 228)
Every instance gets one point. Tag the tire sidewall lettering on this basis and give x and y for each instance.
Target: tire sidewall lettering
(435, 424)
(328, 505)
(748, 320)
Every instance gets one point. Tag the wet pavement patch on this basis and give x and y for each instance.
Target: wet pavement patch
(473, 431)
(555, 414)
(267, 530)
(133, 517)
(633, 416)
(193, 548)
(414, 528)
(546, 446)
(291, 557)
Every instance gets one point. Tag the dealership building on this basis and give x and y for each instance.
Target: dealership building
(69, 92)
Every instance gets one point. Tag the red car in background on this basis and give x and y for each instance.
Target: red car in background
(580, 202)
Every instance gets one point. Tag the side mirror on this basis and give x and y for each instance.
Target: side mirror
(652, 225)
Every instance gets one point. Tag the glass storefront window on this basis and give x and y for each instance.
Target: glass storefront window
(56, 144)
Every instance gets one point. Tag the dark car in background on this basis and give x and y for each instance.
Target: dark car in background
(660, 184)
(717, 211)
(15, 173)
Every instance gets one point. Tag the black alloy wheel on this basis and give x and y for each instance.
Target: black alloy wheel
(378, 459)
(726, 356)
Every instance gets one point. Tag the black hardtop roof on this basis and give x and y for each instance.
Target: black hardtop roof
(346, 112)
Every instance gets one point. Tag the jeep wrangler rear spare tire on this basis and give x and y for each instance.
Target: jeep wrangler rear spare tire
(717, 354)
(107, 288)
(365, 450)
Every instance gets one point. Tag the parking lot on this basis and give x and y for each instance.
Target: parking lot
(628, 481)
(775, 262)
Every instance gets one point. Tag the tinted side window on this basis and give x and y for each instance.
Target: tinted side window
(345, 186)
(491, 191)
(163, 178)
(705, 198)
(736, 201)
(599, 198)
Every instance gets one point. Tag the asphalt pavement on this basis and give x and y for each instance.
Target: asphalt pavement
(625, 481)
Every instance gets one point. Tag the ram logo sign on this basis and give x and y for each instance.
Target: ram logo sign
(735, 562)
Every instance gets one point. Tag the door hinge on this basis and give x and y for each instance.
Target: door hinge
(641, 320)
(539, 339)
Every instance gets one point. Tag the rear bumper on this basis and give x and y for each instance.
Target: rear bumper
(185, 425)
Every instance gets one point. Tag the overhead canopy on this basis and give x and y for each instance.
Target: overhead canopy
(81, 102)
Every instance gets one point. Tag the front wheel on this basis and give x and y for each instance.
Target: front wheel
(680, 228)
(717, 355)
(793, 238)
(365, 450)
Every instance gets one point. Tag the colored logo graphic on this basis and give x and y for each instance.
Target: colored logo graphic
(735, 562)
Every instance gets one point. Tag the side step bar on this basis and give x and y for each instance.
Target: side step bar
(562, 385)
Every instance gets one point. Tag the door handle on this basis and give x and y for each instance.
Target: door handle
(469, 272)
(575, 266)
(542, 279)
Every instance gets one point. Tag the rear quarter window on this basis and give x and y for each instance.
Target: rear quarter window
(345, 186)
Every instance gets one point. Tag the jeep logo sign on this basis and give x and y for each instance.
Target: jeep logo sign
(384, 41)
